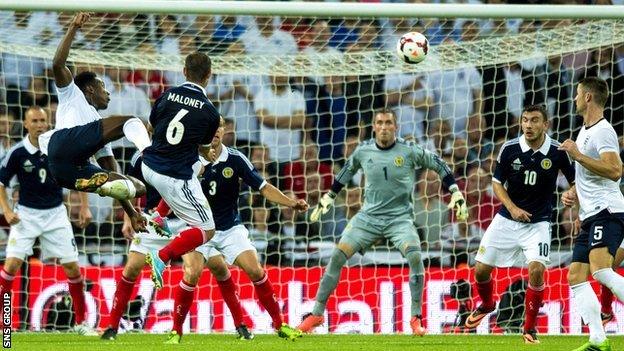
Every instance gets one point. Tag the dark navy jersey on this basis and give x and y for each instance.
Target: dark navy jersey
(183, 118)
(37, 187)
(221, 185)
(531, 176)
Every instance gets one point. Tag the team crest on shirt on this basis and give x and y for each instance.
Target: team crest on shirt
(516, 164)
(398, 161)
(28, 166)
(136, 240)
(546, 163)
(481, 250)
(227, 172)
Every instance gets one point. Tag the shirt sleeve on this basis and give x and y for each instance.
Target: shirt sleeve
(107, 150)
(350, 168)
(606, 141)
(249, 174)
(427, 159)
(501, 171)
(8, 169)
(67, 93)
(567, 168)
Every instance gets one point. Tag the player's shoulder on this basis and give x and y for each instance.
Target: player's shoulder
(235, 156)
(17, 150)
(601, 128)
(510, 145)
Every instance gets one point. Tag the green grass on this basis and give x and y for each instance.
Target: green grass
(151, 342)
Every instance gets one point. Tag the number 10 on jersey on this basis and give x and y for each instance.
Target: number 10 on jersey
(530, 177)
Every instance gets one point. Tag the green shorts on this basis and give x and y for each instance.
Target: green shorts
(363, 231)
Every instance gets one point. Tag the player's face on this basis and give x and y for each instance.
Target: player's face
(533, 125)
(101, 96)
(385, 128)
(36, 122)
(216, 140)
(579, 99)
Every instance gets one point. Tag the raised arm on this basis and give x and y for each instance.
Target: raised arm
(62, 74)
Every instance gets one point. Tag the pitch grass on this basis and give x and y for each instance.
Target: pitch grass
(223, 342)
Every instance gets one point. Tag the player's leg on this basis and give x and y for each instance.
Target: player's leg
(75, 281)
(22, 237)
(404, 236)
(9, 270)
(184, 293)
(359, 234)
(115, 127)
(229, 290)
(583, 296)
(601, 257)
(606, 295)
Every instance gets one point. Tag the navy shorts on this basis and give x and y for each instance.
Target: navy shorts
(69, 151)
(604, 229)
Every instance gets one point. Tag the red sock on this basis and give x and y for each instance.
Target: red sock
(532, 304)
(6, 281)
(184, 294)
(76, 291)
(120, 301)
(163, 208)
(266, 296)
(606, 300)
(229, 292)
(184, 242)
(485, 290)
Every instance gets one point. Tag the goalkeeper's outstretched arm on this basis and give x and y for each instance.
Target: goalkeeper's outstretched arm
(62, 74)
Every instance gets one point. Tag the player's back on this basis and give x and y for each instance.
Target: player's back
(183, 118)
(595, 192)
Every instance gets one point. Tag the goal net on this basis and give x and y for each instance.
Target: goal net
(320, 79)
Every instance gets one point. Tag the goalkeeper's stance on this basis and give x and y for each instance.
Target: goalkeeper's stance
(389, 165)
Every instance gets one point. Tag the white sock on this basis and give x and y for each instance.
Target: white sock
(611, 280)
(586, 301)
(120, 189)
(135, 131)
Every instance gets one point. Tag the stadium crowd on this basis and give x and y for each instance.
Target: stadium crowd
(298, 130)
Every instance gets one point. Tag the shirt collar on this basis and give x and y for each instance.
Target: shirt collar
(196, 85)
(543, 149)
(32, 149)
(223, 156)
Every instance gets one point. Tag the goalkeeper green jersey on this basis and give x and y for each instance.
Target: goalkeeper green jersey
(390, 175)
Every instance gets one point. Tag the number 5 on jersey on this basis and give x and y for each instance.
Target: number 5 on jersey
(175, 129)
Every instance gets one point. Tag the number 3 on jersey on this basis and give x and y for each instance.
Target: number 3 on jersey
(175, 129)
(530, 177)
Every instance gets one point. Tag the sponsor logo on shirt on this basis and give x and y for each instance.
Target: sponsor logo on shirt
(28, 166)
(516, 164)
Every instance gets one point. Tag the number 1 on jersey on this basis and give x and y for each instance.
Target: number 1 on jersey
(385, 173)
(175, 129)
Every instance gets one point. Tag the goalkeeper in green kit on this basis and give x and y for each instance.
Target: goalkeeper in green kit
(389, 165)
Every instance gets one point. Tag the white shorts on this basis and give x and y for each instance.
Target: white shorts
(505, 239)
(228, 243)
(148, 241)
(53, 229)
(184, 197)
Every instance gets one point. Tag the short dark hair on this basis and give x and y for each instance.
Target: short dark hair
(384, 111)
(197, 66)
(537, 108)
(84, 79)
(598, 88)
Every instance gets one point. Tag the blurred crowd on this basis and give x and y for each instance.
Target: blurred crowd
(298, 131)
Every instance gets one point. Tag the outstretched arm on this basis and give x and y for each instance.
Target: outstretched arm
(62, 74)
(274, 195)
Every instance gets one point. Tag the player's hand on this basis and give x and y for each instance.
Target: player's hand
(568, 198)
(458, 203)
(84, 217)
(81, 18)
(212, 155)
(11, 217)
(138, 222)
(326, 202)
(126, 228)
(576, 227)
(300, 205)
(520, 215)
(571, 148)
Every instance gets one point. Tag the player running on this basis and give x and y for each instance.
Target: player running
(183, 120)
(524, 180)
(598, 173)
(389, 165)
(39, 213)
(231, 243)
(81, 133)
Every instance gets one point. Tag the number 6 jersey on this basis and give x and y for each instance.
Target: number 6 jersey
(183, 118)
(530, 177)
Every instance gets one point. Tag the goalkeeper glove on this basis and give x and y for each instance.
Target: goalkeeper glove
(459, 204)
(327, 201)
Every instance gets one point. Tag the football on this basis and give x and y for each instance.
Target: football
(412, 47)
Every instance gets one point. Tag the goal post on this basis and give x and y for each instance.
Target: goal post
(335, 64)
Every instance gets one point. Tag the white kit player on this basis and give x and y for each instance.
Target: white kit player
(525, 180)
(598, 172)
(39, 213)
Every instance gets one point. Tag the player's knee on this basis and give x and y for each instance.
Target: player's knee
(218, 268)
(536, 274)
(413, 256)
(255, 272)
(208, 234)
(575, 277)
(482, 272)
(132, 271)
(71, 269)
(192, 271)
(12, 265)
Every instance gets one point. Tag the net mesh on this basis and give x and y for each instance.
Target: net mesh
(327, 75)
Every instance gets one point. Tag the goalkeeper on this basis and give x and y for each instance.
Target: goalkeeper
(389, 165)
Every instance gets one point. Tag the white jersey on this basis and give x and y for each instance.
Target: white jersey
(596, 193)
(73, 110)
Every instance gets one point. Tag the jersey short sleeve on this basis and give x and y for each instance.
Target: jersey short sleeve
(249, 174)
(606, 141)
(68, 93)
(8, 169)
(567, 168)
(501, 171)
